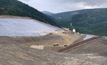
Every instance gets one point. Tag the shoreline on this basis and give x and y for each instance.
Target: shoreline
(12, 16)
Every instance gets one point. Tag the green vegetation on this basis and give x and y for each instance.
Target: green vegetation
(89, 21)
(17, 8)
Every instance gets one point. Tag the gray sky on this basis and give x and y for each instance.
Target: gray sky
(57, 6)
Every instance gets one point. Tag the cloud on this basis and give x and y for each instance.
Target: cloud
(65, 5)
(92, 2)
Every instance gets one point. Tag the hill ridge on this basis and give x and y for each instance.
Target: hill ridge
(87, 21)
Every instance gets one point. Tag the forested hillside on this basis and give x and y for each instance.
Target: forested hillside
(89, 21)
(17, 8)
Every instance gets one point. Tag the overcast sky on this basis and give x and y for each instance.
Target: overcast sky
(57, 6)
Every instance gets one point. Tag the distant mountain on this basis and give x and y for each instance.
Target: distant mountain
(57, 21)
(17, 8)
(89, 21)
(47, 13)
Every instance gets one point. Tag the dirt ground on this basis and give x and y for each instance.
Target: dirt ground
(17, 51)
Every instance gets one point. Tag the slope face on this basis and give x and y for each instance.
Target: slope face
(23, 27)
(90, 21)
(17, 8)
(13, 54)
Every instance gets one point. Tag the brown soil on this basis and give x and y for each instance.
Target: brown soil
(10, 16)
(17, 51)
